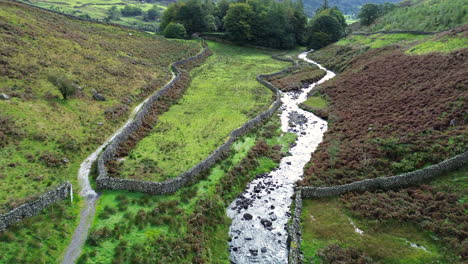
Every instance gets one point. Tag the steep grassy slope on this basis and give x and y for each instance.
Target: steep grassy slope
(43, 137)
(425, 15)
(223, 95)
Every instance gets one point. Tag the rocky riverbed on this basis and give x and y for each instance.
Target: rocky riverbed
(261, 213)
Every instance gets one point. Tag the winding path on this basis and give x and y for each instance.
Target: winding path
(260, 215)
(89, 194)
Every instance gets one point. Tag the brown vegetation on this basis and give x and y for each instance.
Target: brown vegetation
(298, 78)
(393, 113)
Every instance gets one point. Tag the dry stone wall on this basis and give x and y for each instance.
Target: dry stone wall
(385, 183)
(294, 232)
(34, 207)
(172, 185)
(394, 182)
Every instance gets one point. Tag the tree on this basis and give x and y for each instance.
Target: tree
(175, 30)
(326, 28)
(153, 13)
(64, 85)
(238, 21)
(113, 13)
(368, 14)
(130, 10)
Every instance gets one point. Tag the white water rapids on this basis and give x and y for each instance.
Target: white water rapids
(87, 192)
(260, 214)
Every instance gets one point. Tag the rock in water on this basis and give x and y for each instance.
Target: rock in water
(247, 216)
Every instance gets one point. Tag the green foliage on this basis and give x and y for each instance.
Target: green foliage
(175, 30)
(192, 14)
(131, 10)
(264, 23)
(153, 13)
(239, 21)
(368, 14)
(43, 238)
(63, 84)
(114, 13)
(326, 28)
(426, 15)
(444, 45)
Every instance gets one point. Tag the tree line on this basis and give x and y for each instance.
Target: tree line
(266, 23)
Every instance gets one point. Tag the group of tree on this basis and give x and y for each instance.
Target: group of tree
(370, 12)
(326, 27)
(267, 23)
(115, 13)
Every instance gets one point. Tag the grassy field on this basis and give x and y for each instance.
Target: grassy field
(190, 225)
(44, 138)
(316, 101)
(326, 222)
(98, 10)
(41, 239)
(223, 95)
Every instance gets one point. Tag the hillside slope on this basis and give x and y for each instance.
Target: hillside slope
(424, 15)
(399, 104)
(43, 137)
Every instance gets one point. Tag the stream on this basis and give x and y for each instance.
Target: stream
(261, 213)
(90, 196)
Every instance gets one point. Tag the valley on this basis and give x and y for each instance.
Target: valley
(254, 134)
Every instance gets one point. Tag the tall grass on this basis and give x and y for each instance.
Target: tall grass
(427, 15)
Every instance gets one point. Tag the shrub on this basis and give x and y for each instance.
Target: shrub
(175, 30)
(114, 13)
(152, 13)
(64, 85)
(130, 10)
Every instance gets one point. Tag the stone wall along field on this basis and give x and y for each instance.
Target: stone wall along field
(294, 232)
(172, 185)
(399, 181)
(34, 207)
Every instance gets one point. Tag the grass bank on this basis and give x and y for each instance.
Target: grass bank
(44, 138)
(326, 222)
(223, 95)
(191, 225)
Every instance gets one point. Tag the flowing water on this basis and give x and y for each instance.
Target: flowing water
(260, 215)
(89, 194)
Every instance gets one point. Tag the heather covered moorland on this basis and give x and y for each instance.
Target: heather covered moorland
(398, 105)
